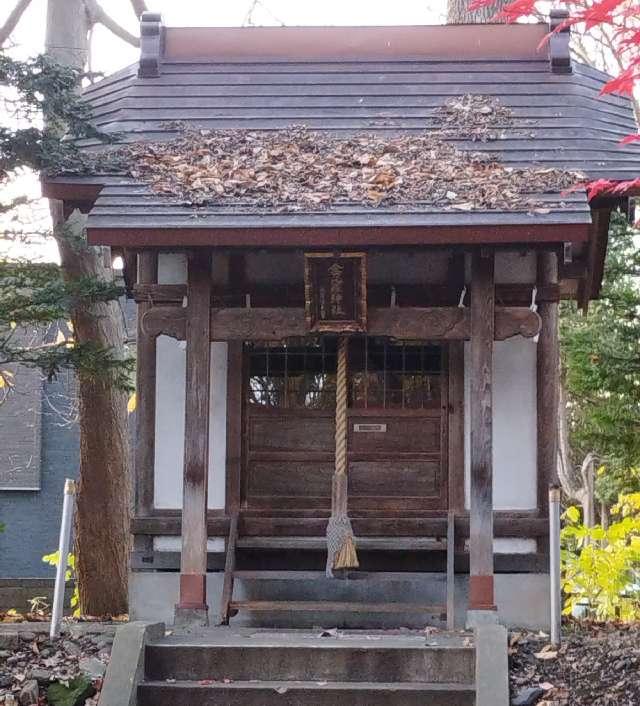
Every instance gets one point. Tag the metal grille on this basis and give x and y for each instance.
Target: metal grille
(382, 375)
(293, 376)
(386, 375)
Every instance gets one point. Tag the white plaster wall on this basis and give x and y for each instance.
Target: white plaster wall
(170, 400)
(172, 268)
(408, 267)
(510, 267)
(514, 424)
(174, 544)
(515, 267)
(169, 446)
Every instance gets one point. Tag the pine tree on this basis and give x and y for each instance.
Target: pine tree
(98, 351)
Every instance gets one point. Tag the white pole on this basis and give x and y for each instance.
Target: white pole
(63, 551)
(554, 560)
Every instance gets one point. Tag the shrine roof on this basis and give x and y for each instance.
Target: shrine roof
(384, 82)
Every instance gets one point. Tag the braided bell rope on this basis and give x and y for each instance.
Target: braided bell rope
(340, 540)
(341, 408)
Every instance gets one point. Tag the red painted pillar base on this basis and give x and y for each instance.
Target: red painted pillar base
(481, 595)
(192, 608)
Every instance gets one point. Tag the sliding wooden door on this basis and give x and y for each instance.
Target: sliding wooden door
(397, 426)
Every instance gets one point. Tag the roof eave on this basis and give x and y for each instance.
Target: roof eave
(318, 237)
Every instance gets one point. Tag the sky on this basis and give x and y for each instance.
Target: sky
(110, 53)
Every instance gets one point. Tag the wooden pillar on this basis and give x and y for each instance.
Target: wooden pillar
(144, 457)
(235, 361)
(548, 380)
(193, 565)
(456, 426)
(481, 595)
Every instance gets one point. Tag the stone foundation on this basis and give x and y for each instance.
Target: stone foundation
(522, 599)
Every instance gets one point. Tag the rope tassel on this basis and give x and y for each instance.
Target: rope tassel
(341, 545)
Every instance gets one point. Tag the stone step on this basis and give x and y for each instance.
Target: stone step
(364, 659)
(309, 693)
(259, 589)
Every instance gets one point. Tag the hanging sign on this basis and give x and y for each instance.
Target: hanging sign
(336, 291)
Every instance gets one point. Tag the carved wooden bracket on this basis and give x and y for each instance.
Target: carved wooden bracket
(151, 44)
(265, 324)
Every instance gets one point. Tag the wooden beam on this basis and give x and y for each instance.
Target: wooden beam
(456, 426)
(193, 568)
(292, 294)
(235, 361)
(481, 594)
(144, 456)
(507, 524)
(229, 571)
(266, 324)
(547, 380)
(157, 235)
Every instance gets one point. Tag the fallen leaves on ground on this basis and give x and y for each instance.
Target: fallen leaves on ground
(62, 672)
(597, 665)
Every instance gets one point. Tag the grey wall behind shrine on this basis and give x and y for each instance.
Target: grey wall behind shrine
(32, 517)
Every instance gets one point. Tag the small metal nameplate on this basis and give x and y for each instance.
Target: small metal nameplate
(370, 427)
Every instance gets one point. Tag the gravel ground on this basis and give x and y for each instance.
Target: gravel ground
(30, 663)
(597, 665)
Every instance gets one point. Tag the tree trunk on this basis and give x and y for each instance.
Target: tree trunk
(103, 502)
(458, 12)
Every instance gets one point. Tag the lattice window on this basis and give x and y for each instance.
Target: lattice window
(386, 375)
(293, 376)
(382, 375)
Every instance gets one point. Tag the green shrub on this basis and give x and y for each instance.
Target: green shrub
(601, 566)
(70, 574)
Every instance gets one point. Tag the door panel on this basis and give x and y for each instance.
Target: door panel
(392, 435)
(397, 427)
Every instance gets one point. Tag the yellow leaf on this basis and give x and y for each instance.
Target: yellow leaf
(572, 513)
(13, 324)
(131, 405)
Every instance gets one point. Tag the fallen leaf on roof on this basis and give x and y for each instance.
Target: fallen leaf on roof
(295, 169)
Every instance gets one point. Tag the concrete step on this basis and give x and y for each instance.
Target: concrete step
(261, 588)
(364, 659)
(309, 693)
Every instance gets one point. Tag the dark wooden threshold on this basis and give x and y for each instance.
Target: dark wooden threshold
(505, 525)
(337, 607)
(275, 563)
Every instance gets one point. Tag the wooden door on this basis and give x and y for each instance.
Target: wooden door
(397, 426)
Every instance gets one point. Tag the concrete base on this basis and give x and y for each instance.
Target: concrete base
(191, 617)
(126, 666)
(522, 599)
(492, 665)
(475, 618)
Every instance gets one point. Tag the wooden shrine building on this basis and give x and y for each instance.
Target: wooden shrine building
(348, 247)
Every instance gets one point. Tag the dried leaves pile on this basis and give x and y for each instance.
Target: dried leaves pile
(296, 169)
(597, 665)
(476, 118)
(35, 670)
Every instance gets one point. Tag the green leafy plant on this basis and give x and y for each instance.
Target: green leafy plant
(76, 692)
(70, 574)
(601, 566)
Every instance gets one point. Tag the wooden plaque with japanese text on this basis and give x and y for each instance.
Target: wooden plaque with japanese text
(336, 291)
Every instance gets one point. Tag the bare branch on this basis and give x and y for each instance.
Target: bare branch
(98, 15)
(139, 6)
(13, 19)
